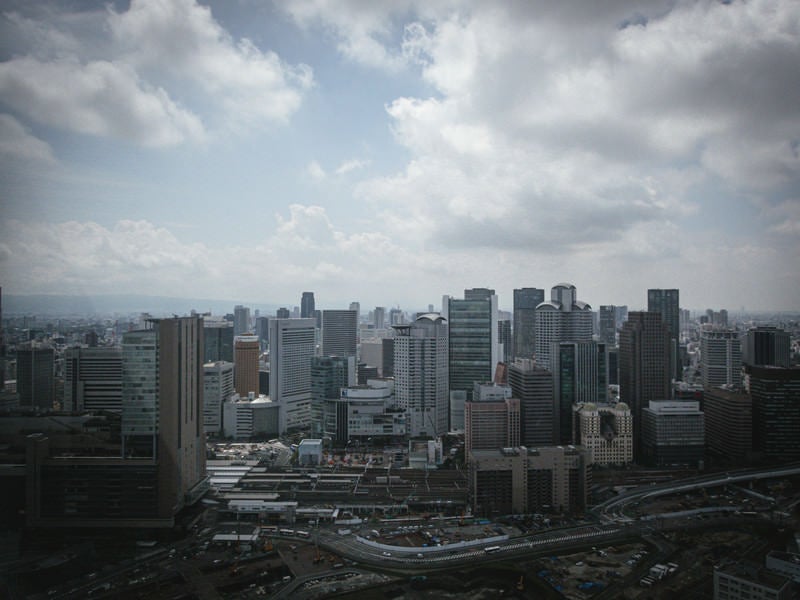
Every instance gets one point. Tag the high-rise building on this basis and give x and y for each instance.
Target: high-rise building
(766, 346)
(421, 374)
(580, 375)
(93, 379)
(262, 332)
(162, 406)
(241, 320)
(218, 340)
(492, 419)
(729, 424)
(608, 324)
(380, 317)
(667, 304)
(307, 307)
(644, 365)
(329, 374)
(217, 388)
(721, 359)
(283, 313)
(474, 350)
(36, 375)
(533, 386)
(606, 432)
(245, 365)
(292, 346)
(564, 318)
(504, 339)
(776, 412)
(673, 433)
(339, 332)
(525, 302)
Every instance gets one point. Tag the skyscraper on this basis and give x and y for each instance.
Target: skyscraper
(329, 374)
(339, 332)
(307, 305)
(241, 320)
(421, 374)
(35, 375)
(93, 379)
(533, 385)
(217, 388)
(283, 313)
(644, 365)
(721, 359)
(162, 405)
(262, 332)
(563, 318)
(776, 412)
(218, 341)
(474, 350)
(667, 304)
(525, 302)
(245, 369)
(608, 324)
(766, 346)
(580, 375)
(292, 345)
(504, 339)
(491, 420)
(380, 317)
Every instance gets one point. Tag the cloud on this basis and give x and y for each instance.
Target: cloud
(158, 74)
(16, 142)
(351, 165)
(315, 171)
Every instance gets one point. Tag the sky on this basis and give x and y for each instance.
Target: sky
(393, 151)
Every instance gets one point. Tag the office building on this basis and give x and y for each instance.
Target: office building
(387, 369)
(673, 433)
(262, 333)
(379, 315)
(241, 320)
(292, 346)
(729, 424)
(93, 379)
(339, 332)
(365, 414)
(766, 347)
(748, 581)
(218, 340)
(309, 452)
(579, 376)
(474, 350)
(245, 364)
(606, 431)
(776, 412)
(524, 310)
(720, 359)
(491, 419)
(644, 359)
(252, 416)
(504, 339)
(217, 388)
(784, 563)
(533, 386)
(421, 374)
(518, 480)
(667, 304)
(307, 306)
(607, 324)
(564, 318)
(283, 313)
(36, 375)
(329, 374)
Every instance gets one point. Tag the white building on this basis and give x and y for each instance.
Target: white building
(309, 452)
(93, 379)
(421, 364)
(217, 388)
(244, 418)
(721, 358)
(292, 346)
(365, 411)
(564, 318)
(607, 432)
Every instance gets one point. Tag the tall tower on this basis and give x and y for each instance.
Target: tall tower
(421, 374)
(525, 302)
(644, 366)
(339, 332)
(667, 304)
(721, 359)
(218, 341)
(35, 375)
(564, 318)
(307, 305)
(380, 317)
(533, 385)
(241, 320)
(766, 346)
(292, 345)
(217, 388)
(162, 405)
(93, 379)
(580, 375)
(245, 370)
(608, 324)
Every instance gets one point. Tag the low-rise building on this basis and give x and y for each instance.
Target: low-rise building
(673, 433)
(739, 581)
(244, 418)
(606, 431)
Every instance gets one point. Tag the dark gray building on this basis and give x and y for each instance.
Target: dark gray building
(524, 313)
(307, 305)
(667, 304)
(533, 385)
(35, 375)
(766, 346)
(339, 332)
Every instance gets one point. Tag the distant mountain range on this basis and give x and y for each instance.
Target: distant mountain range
(107, 304)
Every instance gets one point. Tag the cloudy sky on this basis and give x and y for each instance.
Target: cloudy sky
(392, 151)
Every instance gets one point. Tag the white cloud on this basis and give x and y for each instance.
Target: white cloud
(351, 165)
(18, 143)
(158, 74)
(315, 171)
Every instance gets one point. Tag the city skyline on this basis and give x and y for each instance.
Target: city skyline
(392, 153)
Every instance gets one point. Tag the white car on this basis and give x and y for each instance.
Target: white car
(387, 553)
